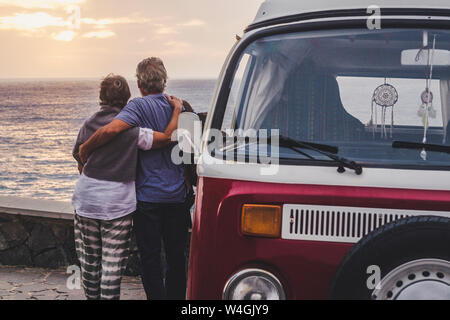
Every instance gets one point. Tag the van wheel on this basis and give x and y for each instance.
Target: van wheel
(407, 259)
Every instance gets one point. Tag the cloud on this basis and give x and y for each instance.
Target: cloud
(39, 4)
(31, 21)
(193, 23)
(102, 23)
(21, 21)
(164, 30)
(64, 36)
(178, 44)
(103, 34)
(176, 48)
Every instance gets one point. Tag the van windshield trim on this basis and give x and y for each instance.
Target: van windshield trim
(223, 94)
(347, 13)
(227, 78)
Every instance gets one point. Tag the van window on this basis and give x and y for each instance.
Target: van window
(237, 92)
(351, 89)
(355, 90)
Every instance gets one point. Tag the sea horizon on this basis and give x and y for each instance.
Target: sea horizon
(39, 122)
(95, 78)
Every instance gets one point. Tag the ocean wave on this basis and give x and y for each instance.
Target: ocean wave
(40, 121)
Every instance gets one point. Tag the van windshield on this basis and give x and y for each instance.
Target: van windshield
(358, 90)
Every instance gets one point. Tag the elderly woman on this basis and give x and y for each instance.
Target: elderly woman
(105, 195)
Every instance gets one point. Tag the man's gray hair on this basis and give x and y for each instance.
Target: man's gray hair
(152, 75)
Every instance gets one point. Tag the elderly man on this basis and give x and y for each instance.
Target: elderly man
(160, 187)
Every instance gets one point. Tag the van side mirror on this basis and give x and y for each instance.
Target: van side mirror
(189, 133)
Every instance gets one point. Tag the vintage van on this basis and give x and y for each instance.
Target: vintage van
(324, 164)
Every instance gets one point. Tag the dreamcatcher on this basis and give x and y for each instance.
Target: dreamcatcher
(384, 96)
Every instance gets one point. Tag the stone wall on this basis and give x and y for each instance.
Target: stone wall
(39, 233)
(36, 242)
(42, 242)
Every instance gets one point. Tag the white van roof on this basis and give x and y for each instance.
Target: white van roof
(272, 9)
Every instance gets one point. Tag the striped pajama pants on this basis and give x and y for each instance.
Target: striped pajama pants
(103, 248)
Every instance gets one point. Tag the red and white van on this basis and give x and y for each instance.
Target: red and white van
(351, 103)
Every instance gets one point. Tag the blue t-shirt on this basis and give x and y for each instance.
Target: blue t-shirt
(158, 179)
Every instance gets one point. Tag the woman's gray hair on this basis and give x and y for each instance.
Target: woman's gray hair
(114, 91)
(152, 75)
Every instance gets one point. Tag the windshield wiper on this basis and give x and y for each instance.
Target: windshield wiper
(285, 142)
(326, 150)
(416, 146)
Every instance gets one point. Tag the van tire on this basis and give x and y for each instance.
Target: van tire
(388, 247)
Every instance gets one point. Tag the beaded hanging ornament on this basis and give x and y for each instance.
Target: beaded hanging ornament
(427, 95)
(427, 103)
(384, 96)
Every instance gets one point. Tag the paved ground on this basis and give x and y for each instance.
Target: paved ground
(18, 283)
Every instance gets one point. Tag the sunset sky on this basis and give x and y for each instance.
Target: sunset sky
(44, 38)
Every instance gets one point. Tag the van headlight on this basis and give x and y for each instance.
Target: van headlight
(253, 284)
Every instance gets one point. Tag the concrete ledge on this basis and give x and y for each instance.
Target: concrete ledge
(36, 208)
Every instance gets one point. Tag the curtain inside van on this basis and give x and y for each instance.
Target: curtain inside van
(269, 78)
(445, 99)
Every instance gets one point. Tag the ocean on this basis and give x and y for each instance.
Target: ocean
(39, 122)
(40, 119)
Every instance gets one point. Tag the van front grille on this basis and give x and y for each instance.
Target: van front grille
(339, 224)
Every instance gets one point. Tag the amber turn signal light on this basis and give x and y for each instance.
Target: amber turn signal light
(261, 220)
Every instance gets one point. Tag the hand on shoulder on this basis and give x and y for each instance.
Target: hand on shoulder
(176, 103)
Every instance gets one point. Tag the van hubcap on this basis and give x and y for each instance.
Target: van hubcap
(425, 279)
